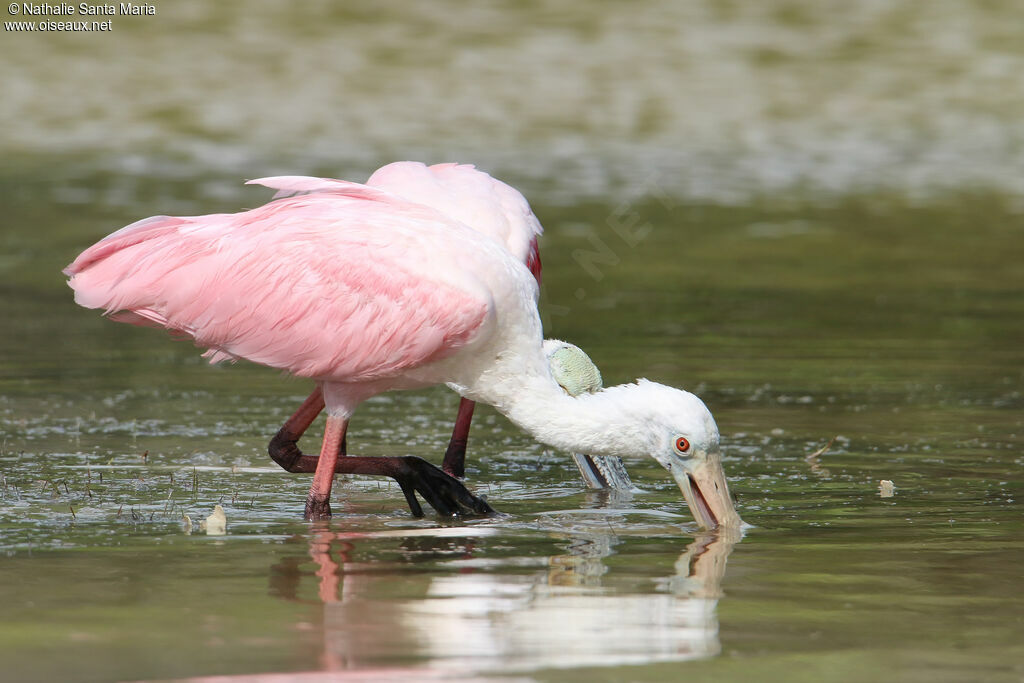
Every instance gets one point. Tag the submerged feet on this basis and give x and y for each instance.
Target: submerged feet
(317, 507)
(443, 492)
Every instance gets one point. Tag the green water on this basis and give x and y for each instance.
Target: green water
(822, 237)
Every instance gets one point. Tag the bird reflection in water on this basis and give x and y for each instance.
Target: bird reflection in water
(501, 614)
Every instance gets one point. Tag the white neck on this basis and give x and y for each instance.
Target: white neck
(601, 423)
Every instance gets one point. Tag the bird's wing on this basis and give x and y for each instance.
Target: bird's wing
(470, 196)
(322, 285)
(291, 185)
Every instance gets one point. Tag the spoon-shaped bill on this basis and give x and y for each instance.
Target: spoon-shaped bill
(703, 485)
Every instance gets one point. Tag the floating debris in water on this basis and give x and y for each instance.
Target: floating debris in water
(886, 489)
(813, 461)
(216, 524)
(821, 451)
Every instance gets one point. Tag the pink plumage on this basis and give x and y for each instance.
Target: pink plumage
(472, 197)
(332, 285)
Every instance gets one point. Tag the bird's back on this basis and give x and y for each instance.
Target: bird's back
(471, 197)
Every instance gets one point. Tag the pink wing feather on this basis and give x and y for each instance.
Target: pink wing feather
(458, 191)
(472, 197)
(329, 285)
(290, 185)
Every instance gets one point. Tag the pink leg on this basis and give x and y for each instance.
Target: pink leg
(318, 502)
(455, 457)
(444, 493)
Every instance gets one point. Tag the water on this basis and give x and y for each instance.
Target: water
(810, 217)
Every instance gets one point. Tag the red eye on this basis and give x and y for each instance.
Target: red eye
(682, 445)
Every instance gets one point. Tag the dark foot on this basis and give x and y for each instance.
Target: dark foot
(442, 491)
(317, 508)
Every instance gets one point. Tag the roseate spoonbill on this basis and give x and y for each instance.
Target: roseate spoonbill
(493, 208)
(365, 291)
(576, 373)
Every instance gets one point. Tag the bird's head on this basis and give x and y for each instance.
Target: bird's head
(681, 434)
(689, 449)
(632, 420)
